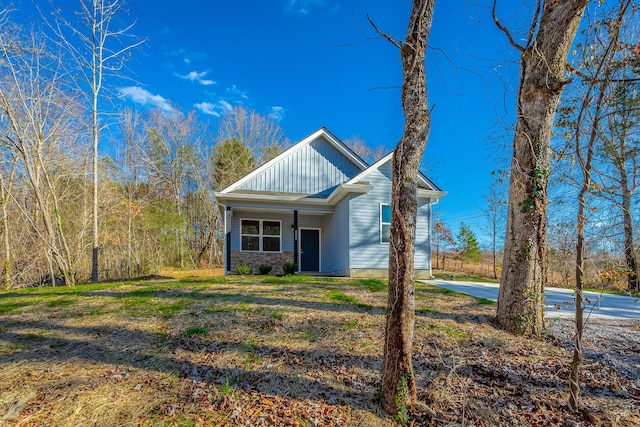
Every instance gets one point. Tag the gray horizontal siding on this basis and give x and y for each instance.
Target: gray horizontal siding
(364, 213)
(366, 250)
(335, 239)
(423, 242)
(316, 168)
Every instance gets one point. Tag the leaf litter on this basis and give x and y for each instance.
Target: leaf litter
(282, 352)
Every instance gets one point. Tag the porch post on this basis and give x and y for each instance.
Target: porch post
(228, 237)
(295, 236)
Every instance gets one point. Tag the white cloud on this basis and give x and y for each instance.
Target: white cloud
(214, 109)
(144, 97)
(197, 77)
(277, 113)
(187, 56)
(303, 7)
(237, 93)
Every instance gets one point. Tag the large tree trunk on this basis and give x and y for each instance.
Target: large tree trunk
(542, 63)
(398, 383)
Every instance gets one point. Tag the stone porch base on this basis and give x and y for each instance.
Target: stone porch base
(255, 259)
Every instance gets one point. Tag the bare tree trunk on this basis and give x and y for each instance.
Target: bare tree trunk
(495, 258)
(398, 390)
(6, 271)
(586, 165)
(633, 283)
(542, 63)
(98, 48)
(95, 269)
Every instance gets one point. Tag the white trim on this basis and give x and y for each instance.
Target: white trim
(433, 190)
(260, 235)
(336, 195)
(429, 194)
(300, 248)
(322, 132)
(380, 222)
(223, 210)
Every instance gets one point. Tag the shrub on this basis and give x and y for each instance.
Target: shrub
(243, 269)
(265, 269)
(290, 268)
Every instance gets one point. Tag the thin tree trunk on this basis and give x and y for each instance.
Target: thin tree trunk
(587, 166)
(398, 389)
(495, 254)
(6, 271)
(629, 244)
(633, 285)
(520, 304)
(95, 230)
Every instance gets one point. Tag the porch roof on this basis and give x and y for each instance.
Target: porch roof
(294, 199)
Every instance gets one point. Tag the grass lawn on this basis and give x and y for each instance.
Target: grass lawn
(296, 351)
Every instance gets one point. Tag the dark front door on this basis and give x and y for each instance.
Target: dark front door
(309, 250)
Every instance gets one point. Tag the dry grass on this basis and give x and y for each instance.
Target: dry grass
(272, 351)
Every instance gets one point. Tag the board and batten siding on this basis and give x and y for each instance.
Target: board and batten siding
(335, 239)
(318, 168)
(366, 251)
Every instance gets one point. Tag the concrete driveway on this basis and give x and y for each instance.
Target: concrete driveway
(558, 302)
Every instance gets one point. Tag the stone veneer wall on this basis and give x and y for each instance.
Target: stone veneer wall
(255, 259)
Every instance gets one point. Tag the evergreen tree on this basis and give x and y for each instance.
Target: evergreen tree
(468, 245)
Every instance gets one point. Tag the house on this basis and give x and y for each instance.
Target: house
(318, 204)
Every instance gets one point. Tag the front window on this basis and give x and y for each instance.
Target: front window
(385, 223)
(260, 236)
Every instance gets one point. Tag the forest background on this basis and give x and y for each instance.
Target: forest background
(156, 181)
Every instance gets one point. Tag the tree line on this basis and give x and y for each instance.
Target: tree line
(157, 172)
(599, 117)
(593, 168)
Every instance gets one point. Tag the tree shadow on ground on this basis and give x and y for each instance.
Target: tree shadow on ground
(138, 349)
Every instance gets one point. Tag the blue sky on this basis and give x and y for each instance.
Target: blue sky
(314, 63)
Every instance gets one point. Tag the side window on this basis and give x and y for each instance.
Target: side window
(385, 223)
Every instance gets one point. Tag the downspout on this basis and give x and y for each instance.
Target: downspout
(431, 204)
(227, 244)
(295, 239)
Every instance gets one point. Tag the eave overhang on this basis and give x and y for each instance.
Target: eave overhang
(295, 199)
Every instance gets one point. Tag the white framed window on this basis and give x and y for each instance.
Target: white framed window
(385, 222)
(257, 235)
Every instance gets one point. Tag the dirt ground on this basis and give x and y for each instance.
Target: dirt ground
(295, 351)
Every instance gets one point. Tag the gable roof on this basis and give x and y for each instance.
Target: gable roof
(354, 162)
(426, 187)
(348, 176)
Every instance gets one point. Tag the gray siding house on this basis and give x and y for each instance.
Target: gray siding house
(319, 205)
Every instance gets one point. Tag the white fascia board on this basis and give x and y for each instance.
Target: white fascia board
(322, 132)
(430, 194)
(423, 179)
(344, 189)
(280, 156)
(374, 166)
(340, 146)
(335, 195)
